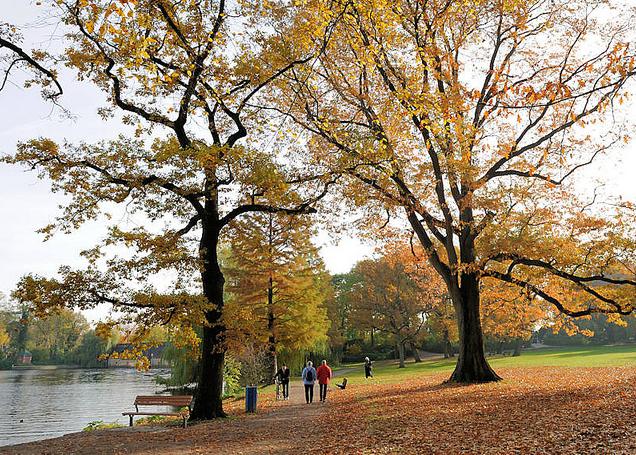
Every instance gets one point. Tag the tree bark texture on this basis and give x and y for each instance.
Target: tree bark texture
(472, 365)
(208, 402)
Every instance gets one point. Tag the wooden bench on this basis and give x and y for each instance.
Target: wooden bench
(178, 401)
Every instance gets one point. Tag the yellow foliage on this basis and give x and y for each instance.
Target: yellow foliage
(4, 337)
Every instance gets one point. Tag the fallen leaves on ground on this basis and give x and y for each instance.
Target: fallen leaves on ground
(535, 410)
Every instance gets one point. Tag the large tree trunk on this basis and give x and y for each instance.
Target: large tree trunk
(400, 347)
(472, 365)
(208, 402)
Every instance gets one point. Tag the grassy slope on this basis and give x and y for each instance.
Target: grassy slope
(577, 356)
(588, 356)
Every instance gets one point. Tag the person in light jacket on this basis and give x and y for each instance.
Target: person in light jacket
(309, 378)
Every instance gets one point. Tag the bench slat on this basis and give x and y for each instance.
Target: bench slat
(174, 414)
(164, 397)
(163, 400)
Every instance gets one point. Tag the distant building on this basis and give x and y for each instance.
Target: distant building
(153, 354)
(24, 358)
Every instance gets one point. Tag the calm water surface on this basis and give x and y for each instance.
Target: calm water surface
(51, 403)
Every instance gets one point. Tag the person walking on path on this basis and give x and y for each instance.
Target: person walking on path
(368, 366)
(309, 378)
(283, 377)
(323, 374)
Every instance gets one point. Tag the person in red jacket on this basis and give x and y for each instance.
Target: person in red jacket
(323, 374)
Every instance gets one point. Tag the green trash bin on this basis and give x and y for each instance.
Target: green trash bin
(250, 398)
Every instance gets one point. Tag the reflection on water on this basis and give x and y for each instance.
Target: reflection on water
(40, 404)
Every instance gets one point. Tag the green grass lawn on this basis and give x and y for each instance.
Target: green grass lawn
(578, 356)
(386, 371)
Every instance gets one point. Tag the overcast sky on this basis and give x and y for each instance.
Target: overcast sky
(26, 203)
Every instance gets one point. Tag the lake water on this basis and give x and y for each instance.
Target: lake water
(51, 403)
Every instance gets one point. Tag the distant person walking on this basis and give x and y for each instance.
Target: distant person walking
(368, 368)
(282, 375)
(309, 378)
(323, 374)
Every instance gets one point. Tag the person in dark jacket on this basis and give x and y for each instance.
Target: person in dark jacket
(368, 366)
(282, 375)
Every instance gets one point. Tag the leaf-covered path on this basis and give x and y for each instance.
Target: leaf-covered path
(535, 410)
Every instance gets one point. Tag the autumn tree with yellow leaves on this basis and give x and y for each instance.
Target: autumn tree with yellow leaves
(512, 314)
(189, 73)
(278, 285)
(471, 120)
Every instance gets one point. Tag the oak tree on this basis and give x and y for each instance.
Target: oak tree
(188, 74)
(473, 120)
